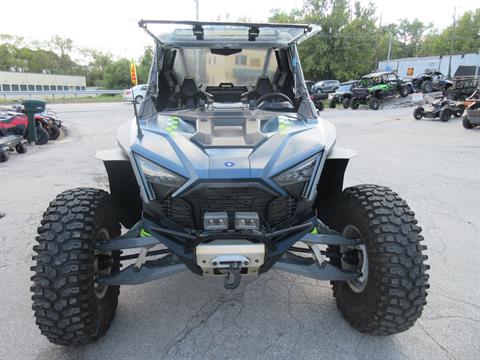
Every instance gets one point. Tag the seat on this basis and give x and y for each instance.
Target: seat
(190, 92)
(263, 86)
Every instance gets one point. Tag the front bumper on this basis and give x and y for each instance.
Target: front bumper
(181, 252)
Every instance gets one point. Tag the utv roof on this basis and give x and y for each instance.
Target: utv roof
(227, 34)
(377, 74)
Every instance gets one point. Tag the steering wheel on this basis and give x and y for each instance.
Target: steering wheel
(273, 95)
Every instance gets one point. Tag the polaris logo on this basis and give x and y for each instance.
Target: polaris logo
(229, 164)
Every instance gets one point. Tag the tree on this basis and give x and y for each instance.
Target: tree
(410, 35)
(7, 57)
(345, 45)
(463, 38)
(144, 63)
(117, 75)
(64, 45)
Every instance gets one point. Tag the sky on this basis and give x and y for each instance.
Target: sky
(112, 25)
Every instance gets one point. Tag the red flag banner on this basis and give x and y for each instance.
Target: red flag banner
(133, 73)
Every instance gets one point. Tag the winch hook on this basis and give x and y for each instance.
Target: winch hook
(234, 273)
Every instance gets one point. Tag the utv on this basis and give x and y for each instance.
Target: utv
(442, 108)
(374, 87)
(431, 81)
(472, 104)
(10, 143)
(230, 179)
(342, 96)
(387, 84)
(466, 81)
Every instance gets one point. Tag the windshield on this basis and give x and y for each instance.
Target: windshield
(240, 69)
(345, 87)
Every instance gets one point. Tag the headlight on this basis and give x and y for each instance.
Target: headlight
(161, 182)
(296, 179)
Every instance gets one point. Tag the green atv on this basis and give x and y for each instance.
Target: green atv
(376, 86)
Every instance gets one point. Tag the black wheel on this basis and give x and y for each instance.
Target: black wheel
(404, 90)
(138, 99)
(458, 112)
(374, 103)
(42, 136)
(418, 113)
(390, 294)
(332, 104)
(3, 156)
(346, 103)
(445, 114)
(355, 104)
(54, 132)
(20, 148)
(319, 105)
(70, 307)
(427, 86)
(466, 123)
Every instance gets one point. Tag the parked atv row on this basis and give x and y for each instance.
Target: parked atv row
(375, 87)
(14, 129)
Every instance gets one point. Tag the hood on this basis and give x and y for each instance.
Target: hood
(209, 146)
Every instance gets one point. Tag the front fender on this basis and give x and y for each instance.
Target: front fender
(341, 153)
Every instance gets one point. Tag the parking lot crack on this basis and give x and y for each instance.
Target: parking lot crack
(445, 350)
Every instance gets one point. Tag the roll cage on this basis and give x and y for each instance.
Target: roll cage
(226, 38)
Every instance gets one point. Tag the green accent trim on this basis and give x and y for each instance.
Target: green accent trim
(144, 233)
(172, 125)
(314, 231)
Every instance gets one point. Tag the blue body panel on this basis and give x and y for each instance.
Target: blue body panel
(169, 143)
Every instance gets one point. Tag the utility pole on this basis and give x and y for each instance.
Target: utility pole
(452, 37)
(378, 42)
(196, 9)
(389, 51)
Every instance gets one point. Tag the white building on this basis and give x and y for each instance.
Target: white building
(12, 82)
(411, 67)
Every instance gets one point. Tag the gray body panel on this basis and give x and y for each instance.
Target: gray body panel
(296, 141)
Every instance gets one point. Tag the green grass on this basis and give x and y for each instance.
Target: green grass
(71, 100)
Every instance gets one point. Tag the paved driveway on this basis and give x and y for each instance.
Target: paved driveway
(435, 166)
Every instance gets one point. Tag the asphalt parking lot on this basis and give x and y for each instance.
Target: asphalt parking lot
(435, 166)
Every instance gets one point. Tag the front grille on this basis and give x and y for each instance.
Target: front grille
(359, 92)
(189, 211)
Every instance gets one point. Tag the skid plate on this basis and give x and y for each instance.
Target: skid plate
(208, 256)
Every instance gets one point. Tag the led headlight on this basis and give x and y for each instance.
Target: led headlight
(296, 179)
(161, 182)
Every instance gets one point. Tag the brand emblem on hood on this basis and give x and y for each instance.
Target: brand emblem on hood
(229, 164)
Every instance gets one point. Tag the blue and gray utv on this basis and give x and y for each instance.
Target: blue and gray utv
(226, 171)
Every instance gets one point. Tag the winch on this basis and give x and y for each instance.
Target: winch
(230, 258)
